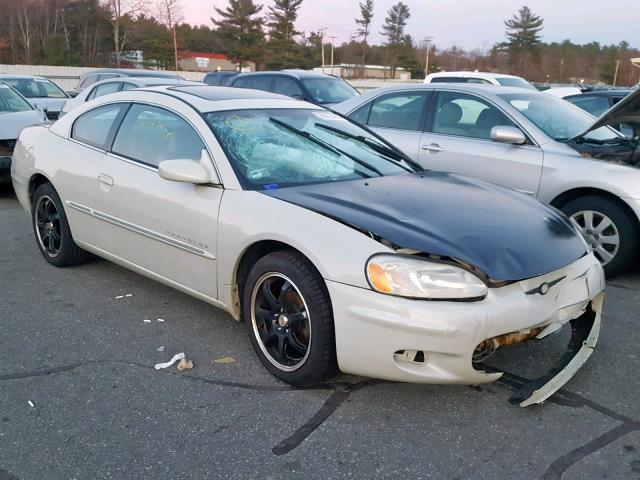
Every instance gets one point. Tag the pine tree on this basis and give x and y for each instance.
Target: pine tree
(393, 28)
(241, 28)
(523, 36)
(283, 50)
(366, 16)
(395, 22)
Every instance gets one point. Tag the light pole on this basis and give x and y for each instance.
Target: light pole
(427, 43)
(332, 42)
(615, 74)
(322, 30)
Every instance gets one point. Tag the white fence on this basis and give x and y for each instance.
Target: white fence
(364, 84)
(67, 77)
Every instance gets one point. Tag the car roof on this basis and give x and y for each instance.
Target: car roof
(299, 74)
(478, 88)
(473, 87)
(604, 93)
(132, 72)
(145, 81)
(472, 74)
(207, 98)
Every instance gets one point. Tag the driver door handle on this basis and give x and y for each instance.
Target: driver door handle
(432, 147)
(106, 179)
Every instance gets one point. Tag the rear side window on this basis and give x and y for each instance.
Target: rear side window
(89, 80)
(129, 86)
(241, 83)
(403, 110)
(212, 79)
(361, 115)
(104, 89)
(287, 86)
(151, 135)
(95, 126)
(262, 82)
(107, 76)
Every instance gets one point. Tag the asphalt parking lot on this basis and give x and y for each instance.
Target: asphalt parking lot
(80, 399)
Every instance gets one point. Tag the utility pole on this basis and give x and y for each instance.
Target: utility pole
(175, 47)
(561, 68)
(427, 43)
(332, 42)
(615, 74)
(321, 31)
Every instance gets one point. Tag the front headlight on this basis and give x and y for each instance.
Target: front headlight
(417, 278)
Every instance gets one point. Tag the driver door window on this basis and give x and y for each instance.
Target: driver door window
(467, 116)
(404, 110)
(288, 87)
(150, 135)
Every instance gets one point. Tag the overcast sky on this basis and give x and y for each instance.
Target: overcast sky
(466, 23)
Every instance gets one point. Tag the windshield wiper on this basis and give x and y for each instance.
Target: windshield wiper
(378, 147)
(322, 143)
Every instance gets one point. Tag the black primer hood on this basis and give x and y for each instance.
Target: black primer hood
(506, 235)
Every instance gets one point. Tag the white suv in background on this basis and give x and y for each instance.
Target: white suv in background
(479, 77)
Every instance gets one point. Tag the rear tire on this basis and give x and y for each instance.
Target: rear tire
(288, 316)
(51, 229)
(592, 214)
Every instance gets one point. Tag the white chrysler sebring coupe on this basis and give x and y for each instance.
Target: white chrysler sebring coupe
(333, 247)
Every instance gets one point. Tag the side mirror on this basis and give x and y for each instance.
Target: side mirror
(507, 134)
(189, 171)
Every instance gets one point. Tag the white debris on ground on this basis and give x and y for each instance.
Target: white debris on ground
(160, 349)
(174, 359)
(31, 404)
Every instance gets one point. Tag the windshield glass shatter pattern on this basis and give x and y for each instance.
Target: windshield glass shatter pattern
(278, 148)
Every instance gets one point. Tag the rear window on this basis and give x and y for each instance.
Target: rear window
(329, 90)
(515, 82)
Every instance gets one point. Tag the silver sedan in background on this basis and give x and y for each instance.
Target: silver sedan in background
(119, 84)
(40, 92)
(528, 141)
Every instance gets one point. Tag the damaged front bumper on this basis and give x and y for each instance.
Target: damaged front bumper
(437, 342)
(585, 330)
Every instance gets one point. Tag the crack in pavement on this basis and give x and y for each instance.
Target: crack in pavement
(4, 475)
(329, 407)
(573, 400)
(559, 466)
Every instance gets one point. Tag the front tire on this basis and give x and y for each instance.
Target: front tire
(51, 229)
(288, 316)
(608, 229)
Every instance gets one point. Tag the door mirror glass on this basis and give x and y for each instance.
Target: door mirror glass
(185, 171)
(507, 134)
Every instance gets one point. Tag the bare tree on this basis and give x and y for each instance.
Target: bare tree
(121, 12)
(170, 14)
